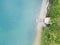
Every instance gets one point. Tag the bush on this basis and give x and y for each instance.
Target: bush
(51, 34)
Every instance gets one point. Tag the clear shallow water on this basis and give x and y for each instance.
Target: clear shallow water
(17, 21)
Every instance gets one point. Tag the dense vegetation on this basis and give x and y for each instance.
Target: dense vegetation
(51, 34)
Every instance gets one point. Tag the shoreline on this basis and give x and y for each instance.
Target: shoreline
(39, 25)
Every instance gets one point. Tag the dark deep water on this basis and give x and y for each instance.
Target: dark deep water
(17, 21)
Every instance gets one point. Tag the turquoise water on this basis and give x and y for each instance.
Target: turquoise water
(17, 21)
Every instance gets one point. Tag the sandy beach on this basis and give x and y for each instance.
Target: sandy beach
(37, 40)
(39, 25)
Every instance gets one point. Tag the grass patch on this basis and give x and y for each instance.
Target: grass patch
(51, 35)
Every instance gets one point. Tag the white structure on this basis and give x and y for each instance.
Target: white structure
(47, 20)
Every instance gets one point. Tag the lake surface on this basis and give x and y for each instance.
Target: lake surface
(17, 21)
